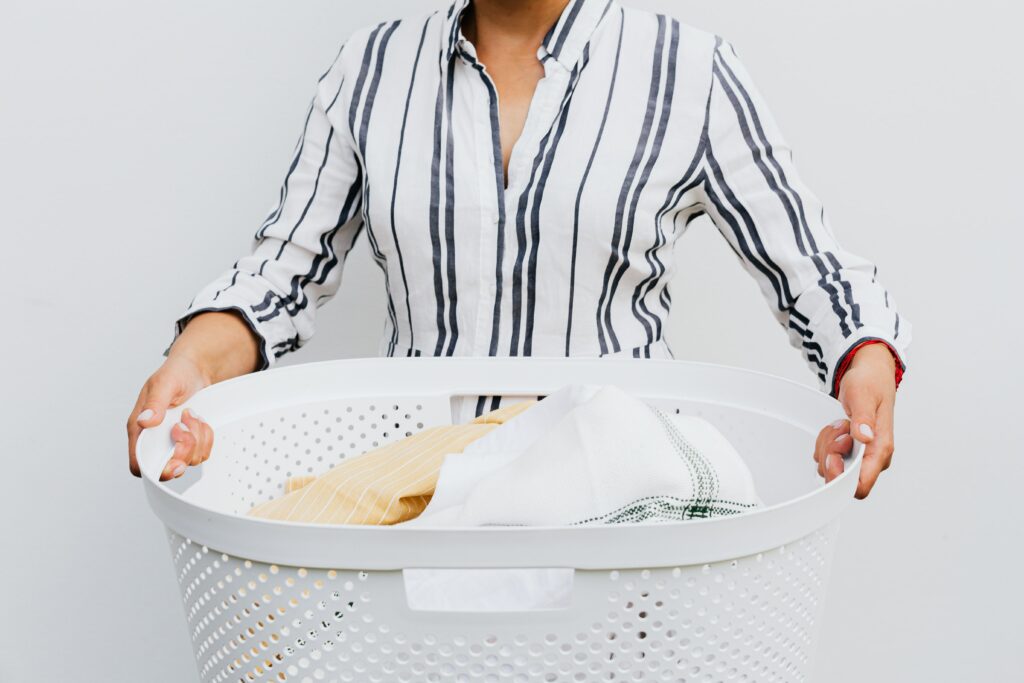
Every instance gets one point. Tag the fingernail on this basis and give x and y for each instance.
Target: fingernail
(145, 415)
(837, 424)
(827, 462)
(178, 471)
(841, 437)
(184, 427)
(866, 431)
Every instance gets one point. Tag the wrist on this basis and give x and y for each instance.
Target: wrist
(874, 353)
(218, 345)
(869, 352)
(183, 353)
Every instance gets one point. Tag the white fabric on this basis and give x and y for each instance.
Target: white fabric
(583, 455)
(461, 472)
(577, 457)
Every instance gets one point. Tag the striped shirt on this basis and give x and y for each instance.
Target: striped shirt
(640, 125)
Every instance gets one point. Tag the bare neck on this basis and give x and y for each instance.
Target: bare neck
(511, 26)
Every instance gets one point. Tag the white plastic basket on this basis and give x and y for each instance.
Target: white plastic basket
(725, 599)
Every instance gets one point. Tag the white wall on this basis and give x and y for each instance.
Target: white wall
(141, 143)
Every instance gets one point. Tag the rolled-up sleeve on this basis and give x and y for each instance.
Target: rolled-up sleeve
(828, 299)
(296, 258)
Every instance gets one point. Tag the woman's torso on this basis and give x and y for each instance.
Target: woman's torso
(575, 255)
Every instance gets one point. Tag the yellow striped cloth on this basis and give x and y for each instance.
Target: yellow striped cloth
(387, 485)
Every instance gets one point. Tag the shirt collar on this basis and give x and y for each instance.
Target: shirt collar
(564, 42)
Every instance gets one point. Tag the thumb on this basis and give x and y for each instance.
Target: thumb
(160, 395)
(149, 411)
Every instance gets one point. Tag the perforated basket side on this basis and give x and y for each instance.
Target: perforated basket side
(257, 454)
(747, 619)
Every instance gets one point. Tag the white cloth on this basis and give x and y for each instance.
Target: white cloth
(583, 455)
(591, 455)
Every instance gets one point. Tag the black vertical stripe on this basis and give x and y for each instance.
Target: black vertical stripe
(531, 279)
(583, 183)
(309, 202)
(779, 280)
(527, 254)
(651, 254)
(364, 69)
(434, 218)
(567, 28)
(453, 30)
(799, 225)
(371, 93)
(323, 164)
(783, 299)
(528, 249)
(394, 186)
(275, 215)
(231, 283)
(836, 276)
(499, 193)
(367, 112)
(296, 300)
(621, 238)
(681, 187)
(449, 216)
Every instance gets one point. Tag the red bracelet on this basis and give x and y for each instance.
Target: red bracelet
(848, 358)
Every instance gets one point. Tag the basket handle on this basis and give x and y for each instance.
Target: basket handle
(488, 590)
(154, 446)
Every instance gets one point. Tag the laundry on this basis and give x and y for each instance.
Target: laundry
(583, 455)
(591, 455)
(387, 485)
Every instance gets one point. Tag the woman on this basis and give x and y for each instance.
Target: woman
(522, 170)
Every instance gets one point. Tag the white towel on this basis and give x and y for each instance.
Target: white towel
(591, 455)
(583, 455)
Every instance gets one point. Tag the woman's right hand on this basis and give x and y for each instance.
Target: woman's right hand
(176, 380)
(212, 347)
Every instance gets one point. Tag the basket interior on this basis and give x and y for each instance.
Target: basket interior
(254, 456)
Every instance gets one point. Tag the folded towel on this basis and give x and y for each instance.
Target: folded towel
(387, 485)
(591, 455)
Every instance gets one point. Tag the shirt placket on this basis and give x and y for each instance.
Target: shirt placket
(478, 99)
(540, 118)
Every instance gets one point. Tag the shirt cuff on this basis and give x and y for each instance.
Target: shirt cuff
(272, 327)
(847, 358)
(179, 325)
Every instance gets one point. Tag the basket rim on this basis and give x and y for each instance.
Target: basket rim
(388, 547)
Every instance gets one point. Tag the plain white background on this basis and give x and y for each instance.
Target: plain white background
(141, 143)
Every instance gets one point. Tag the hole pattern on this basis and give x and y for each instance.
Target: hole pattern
(748, 619)
(254, 456)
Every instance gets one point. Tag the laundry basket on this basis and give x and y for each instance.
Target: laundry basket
(726, 599)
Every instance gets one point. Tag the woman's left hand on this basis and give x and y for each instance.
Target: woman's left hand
(868, 395)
